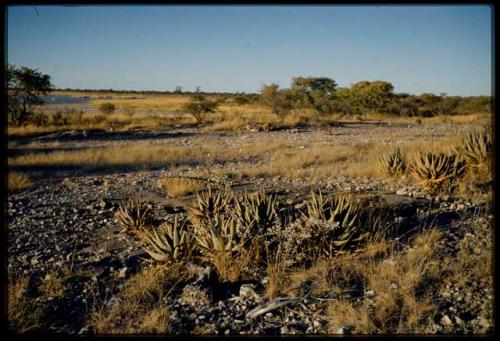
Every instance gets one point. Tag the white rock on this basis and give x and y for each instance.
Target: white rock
(123, 272)
(446, 320)
(247, 290)
(402, 191)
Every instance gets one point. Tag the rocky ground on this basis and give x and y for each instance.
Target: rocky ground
(66, 224)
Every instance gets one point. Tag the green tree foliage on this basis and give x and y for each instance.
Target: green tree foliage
(373, 96)
(315, 92)
(281, 101)
(475, 104)
(25, 88)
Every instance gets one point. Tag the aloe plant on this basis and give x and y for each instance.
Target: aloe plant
(476, 149)
(208, 205)
(256, 212)
(394, 162)
(133, 216)
(438, 171)
(332, 224)
(170, 242)
(218, 234)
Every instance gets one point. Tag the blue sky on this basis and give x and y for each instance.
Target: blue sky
(239, 48)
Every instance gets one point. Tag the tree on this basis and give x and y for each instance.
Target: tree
(281, 101)
(315, 92)
(178, 89)
(374, 96)
(25, 86)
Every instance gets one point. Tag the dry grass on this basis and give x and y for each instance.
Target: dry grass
(139, 307)
(401, 302)
(178, 186)
(315, 161)
(233, 266)
(53, 286)
(23, 315)
(18, 181)
(277, 277)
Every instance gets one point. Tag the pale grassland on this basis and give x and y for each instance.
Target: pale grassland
(320, 162)
(315, 161)
(142, 154)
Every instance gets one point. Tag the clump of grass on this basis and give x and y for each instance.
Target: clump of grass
(401, 301)
(18, 181)
(53, 286)
(139, 307)
(277, 277)
(23, 315)
(179, 186)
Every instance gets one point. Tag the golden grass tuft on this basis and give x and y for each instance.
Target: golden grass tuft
(401, 302)
(233, 266)
(139, 307)
(52, 286)
(179, 186)
(23, 315)
(18, 181)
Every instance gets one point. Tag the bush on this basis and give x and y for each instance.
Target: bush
(107, 108)
(281, 102)
(241, 99)
(39, 119)
(199, 107)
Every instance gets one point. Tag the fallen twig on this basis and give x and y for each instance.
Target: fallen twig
(276, 303)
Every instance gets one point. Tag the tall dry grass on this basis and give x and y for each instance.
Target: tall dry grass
(139, 307)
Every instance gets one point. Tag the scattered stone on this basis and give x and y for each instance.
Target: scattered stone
(123, 272)
(445, 320)
(402, 191)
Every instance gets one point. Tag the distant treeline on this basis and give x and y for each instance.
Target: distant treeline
(323, 95)
(156, 92)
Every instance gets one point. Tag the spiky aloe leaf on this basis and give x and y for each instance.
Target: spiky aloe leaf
(133, 216)
(394, 162)
(332, 224)
(476, 149)
(437, 171)
(256, 212)
(168, 242)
